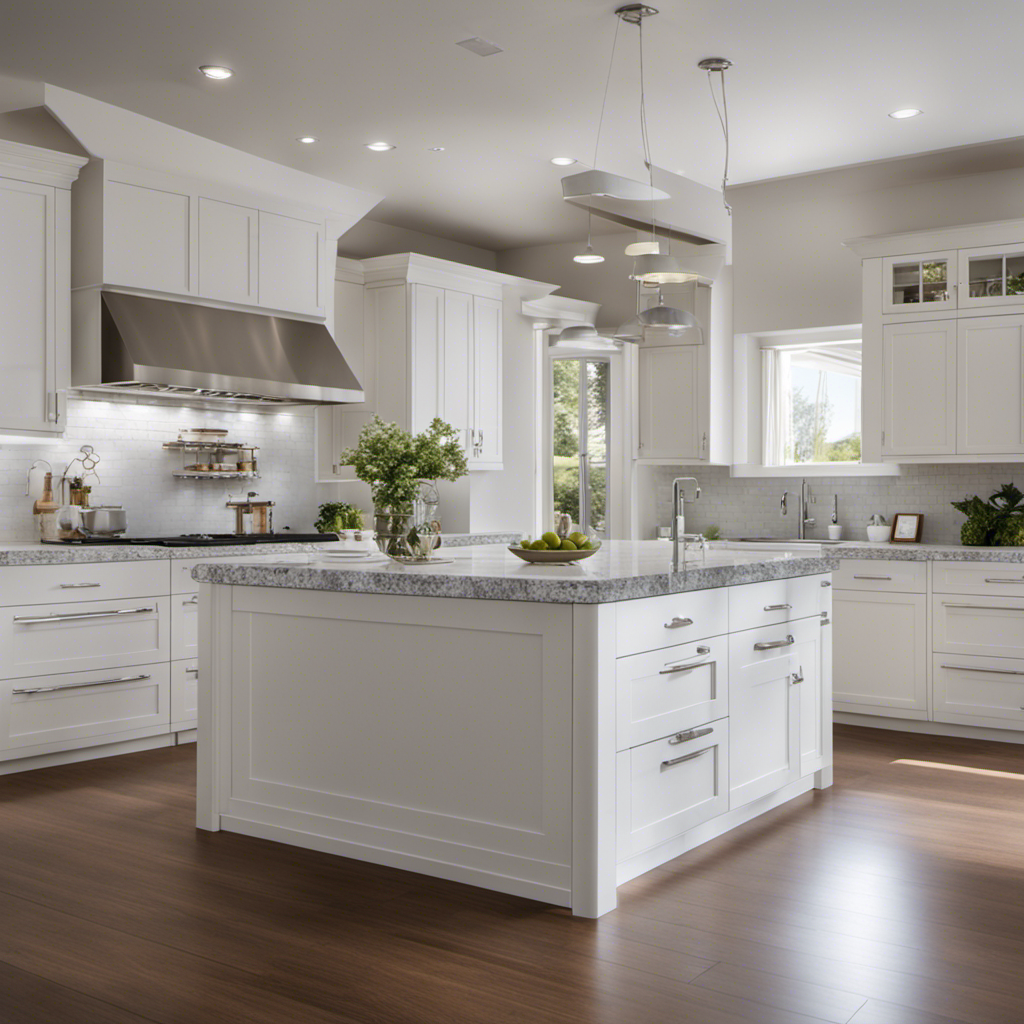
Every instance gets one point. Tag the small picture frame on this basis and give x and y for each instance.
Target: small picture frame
(906, 528)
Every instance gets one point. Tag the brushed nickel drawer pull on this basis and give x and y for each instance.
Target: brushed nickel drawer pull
(778, 607)
(28, 620)
(824, 621)
(992, 579)
(872, 577)
(797, 677)
(672, 669)
(77, 586)
(771, 645)
(826, 583)
(690, 734)
(994, 671)
(684, 757)
(984, 607)
(191, 600)
(676, 622)
(75, 686)
(192, 671)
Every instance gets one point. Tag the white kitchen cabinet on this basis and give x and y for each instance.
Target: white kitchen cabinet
(184, 694)
(184, 626)
(991, 626)
(923, 281)
(985, 691)
(228, 251)
(990, 388)
(919, 388)
(35, 231)
(991, 276)
(486, 449)
(880, 653)
(290, 254)
(668, 403)
(766, 669)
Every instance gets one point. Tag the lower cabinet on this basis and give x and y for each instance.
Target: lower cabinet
(671, 785)
(184, 694)
(184, 626)
(880, 653)
(978, 691)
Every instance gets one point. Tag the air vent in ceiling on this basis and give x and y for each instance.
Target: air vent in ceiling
(479, 46)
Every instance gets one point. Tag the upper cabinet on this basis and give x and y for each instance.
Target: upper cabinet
(35, 287)
(172, 236)
(943, 344)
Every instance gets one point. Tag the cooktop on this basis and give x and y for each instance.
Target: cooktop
(206, 540)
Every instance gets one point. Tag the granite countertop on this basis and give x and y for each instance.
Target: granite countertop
(922, 552)
(620, 571)
(53, 554)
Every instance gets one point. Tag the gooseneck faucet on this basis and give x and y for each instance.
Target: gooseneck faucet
(803, 520)
(679, 516)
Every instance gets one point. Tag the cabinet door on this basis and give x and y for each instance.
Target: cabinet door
(289, 263)
(457, 366)
(668, 400)
(919, 388)
(184, 694)
(27, 306)
(924, 281)
(990, 372)
(486, 450)
(228, 248)
(978, 691)
(991, 276)
(880, 654)
(427, 355)
(764, 707)
(147, 238)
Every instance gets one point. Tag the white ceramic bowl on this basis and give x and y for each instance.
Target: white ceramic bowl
(879, 534)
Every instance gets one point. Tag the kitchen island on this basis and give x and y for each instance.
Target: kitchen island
(548, 731)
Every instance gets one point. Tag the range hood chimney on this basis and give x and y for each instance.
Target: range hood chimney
(169, 349)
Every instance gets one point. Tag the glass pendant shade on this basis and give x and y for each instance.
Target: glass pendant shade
(631, 331)
(655, 268)
(668, 317)
(643, 248)
(582, 336)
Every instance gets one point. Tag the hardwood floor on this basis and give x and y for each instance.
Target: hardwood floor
(894, 898)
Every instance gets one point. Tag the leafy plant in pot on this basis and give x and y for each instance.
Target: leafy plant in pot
(395, 464)
(998, 522)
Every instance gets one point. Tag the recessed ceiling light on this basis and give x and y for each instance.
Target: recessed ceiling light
(481, 47)
(563, 161)
(379, 147)
(435, 149)
(307, 140)
(906, 112)
(215, 71)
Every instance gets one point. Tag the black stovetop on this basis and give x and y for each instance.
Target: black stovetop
(204, 540)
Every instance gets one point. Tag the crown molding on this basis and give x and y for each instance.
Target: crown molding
(42, 166)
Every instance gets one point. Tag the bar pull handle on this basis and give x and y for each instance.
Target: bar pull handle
(778, 607)
(676, 622)
(192, 600)
(771, 645)
(77, 586)
(77, 686)
(984, 607)
(192, 671)
(673, 669)
(872, 577)
(992, 579)
(994, 671)
(685, 757)
(28, 620)
(691, 734)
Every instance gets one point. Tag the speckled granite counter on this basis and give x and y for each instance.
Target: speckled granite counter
(620, 571)
(53, 554)
(923, 552)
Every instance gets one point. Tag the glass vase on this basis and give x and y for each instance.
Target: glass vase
(391, 528)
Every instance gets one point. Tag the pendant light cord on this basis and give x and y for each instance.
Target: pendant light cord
(723, 120)
(644, 134)
(600, 124)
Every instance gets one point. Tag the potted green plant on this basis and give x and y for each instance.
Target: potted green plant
(338, 516)
(395, 464)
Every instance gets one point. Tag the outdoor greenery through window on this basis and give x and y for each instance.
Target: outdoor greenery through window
(811, 403)
(580, 396)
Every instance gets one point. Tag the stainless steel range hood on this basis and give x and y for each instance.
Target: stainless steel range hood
(173, 349)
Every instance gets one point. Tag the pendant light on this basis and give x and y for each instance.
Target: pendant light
(582, 337)
(657, 269)
(588, 255)
(651, 248)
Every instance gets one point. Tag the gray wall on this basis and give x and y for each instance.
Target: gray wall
(372, 238)
(750, 507)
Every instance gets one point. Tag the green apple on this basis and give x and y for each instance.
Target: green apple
(551, 539)
(586, 546)
(539, 545)
(567, 545)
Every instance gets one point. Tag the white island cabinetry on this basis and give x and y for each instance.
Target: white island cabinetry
(552, 747)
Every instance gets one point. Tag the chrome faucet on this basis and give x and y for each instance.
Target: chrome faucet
(679, 516)
(803, 520)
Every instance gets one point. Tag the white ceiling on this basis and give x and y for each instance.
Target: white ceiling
(811, 89)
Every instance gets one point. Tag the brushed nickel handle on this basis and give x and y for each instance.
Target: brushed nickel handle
(872, 577)
(676, 622)
(77, 586)
(771, 645)
(826, 583)
(192, 671)
(777, 607)
(797, 677)
(984, 607)
(690, 734)
(28, 620)
(994, 671)
(684, 757)
(992, 579)
(825, 622)
(192, 600)
(672, 669)
(76, 686)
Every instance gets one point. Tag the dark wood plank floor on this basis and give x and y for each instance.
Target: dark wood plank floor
(895, 898)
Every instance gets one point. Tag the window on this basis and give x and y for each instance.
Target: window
(811, 403)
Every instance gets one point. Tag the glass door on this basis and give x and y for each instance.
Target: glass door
(992, 276)
(914, 283)
(580, 464)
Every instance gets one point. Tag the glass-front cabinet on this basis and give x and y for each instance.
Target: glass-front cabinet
(992, 276)
(919, 282)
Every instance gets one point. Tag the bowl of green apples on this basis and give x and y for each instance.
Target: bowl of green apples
(551, 549)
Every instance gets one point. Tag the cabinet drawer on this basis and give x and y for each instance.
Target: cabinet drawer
(672, 689)
(1000, 579)
(184, 626)
(652, 623)
(669, 786)
(82, 708)
(881, 576)
(79, 637)
(184, 694)
(981, 625)
(81, 581)
(979, 691)
(763, 604)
